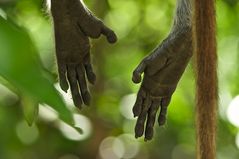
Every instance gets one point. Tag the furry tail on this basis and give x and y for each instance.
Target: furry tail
(204, 20)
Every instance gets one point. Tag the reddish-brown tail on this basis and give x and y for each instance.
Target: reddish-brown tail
(204, 31)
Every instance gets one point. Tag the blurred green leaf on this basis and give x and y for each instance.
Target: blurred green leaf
(20, 65)
(30, 109)
(140, 25)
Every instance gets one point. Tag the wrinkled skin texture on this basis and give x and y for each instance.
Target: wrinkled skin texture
(74, 24)
(162, 70)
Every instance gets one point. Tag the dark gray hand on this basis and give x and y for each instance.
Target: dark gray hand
(73, 25)
(90, 25)
(162, 70)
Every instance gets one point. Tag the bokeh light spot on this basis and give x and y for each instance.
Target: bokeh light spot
(3, 14)
(106, 149)
(67, 97)
(47, 113)
(126, 106)
(118, 148)
(237, 140)
(124, 146)
(26, 134)
(233, 111)
(131, 146)
(71, 133)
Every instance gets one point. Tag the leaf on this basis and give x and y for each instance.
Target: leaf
(20, 65)
(30, 109)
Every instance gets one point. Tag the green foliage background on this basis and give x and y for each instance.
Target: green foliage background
(28, 76)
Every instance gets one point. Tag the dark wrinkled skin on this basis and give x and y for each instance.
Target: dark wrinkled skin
(162, 71)
(74, 24)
